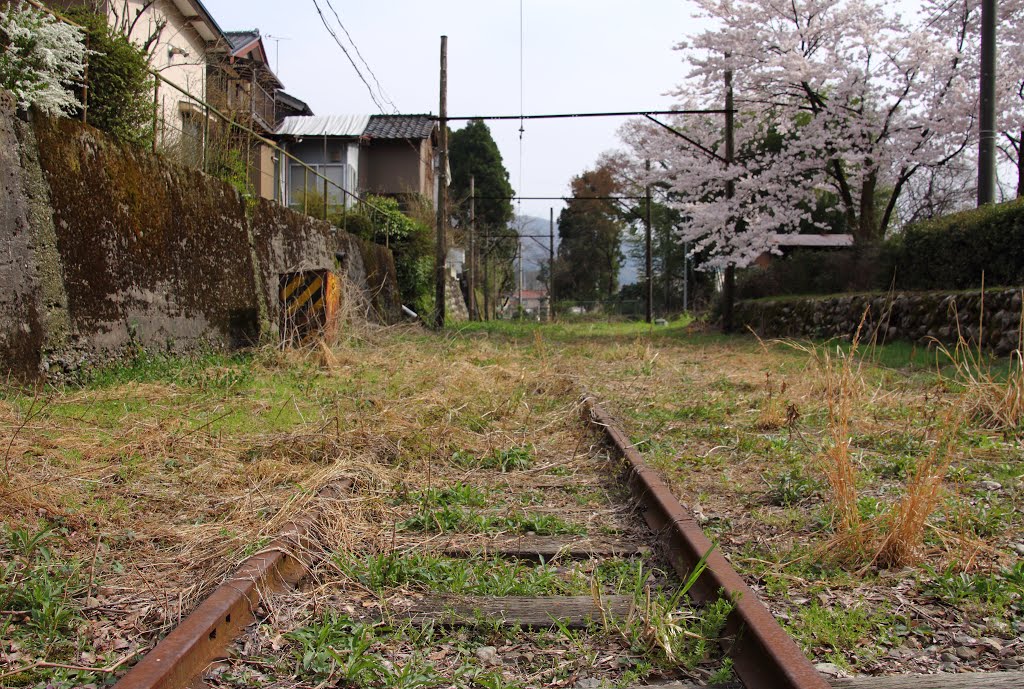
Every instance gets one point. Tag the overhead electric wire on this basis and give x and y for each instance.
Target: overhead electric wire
(369, 89)
(561, 198)
(380, 89)
(570, 115)
(341, 45)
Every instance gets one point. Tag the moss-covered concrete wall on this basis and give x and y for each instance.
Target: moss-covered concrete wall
(991, 320)
(105, 249)
(152, 254)
(21, 326)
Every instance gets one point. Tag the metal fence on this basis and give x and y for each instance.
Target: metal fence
(221, 144)
(225, 145)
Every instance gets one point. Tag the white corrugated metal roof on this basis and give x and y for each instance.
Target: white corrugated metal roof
(326, 125)
(815, 240)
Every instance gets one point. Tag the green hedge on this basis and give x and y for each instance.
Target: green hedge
(816, 271)
(952, 252)
(948, 253)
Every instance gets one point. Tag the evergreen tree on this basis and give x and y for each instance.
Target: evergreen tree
(590, 235)
(473, 152)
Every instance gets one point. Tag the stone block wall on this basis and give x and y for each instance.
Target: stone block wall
(992, 320)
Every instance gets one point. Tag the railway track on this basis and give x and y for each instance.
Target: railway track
(483, 583)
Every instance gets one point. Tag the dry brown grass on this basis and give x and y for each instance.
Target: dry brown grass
(839, 379)
(992, 399)
(902, 529)
(772, 411)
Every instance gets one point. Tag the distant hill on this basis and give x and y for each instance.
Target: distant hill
(535, 252)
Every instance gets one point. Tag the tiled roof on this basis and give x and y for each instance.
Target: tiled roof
(239, 39)
(400, 127)
(300, 107)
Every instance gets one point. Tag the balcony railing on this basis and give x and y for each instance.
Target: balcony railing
(263, 106)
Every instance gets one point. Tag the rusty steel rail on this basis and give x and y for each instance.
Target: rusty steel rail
(203, 636)
(764, 656)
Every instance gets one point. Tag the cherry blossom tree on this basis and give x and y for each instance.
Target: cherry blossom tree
(41, 58)
(958, 23)
(840, 103)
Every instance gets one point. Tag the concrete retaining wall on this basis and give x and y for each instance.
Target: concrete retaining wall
(105, 249)
(920, 317)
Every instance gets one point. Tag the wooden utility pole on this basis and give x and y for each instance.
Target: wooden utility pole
(648, 259)
(686, 276)
(471, 272)
(156, 112)
(551, 264)
(441, 256)
(987, 114)
(729, 288)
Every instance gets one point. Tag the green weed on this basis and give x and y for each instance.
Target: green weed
(341, 652)
(485, 577)
(791, 488)
(996, 590)
(512, 459)
(456, 519)
(43, 588)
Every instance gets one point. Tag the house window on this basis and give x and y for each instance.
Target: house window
(307, 187)
(192, 145)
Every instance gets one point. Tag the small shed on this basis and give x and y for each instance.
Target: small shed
(398, 155)
(330, 146)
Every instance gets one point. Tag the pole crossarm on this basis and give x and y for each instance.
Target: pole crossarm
(703, 149)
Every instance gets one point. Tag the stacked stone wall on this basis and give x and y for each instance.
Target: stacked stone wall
(992, 319)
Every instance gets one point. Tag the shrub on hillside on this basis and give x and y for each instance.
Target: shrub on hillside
(120, 85)
(411, 240)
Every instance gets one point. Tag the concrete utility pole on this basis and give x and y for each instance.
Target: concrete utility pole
(441, 256)
(729, 289)
(551, 264)
(519, 245)
(648, 258)
(987, 116)
(487, 274)
(666, 269)
(471, 277)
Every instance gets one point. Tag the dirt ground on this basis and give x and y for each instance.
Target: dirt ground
(125, 500)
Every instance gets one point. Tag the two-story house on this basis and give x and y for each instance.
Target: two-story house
(241, 84)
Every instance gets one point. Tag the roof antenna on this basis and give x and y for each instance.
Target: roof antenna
(277, 51)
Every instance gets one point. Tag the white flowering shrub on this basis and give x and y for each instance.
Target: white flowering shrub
(41, 58)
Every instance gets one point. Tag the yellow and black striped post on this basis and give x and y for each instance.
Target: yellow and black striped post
(310, 301)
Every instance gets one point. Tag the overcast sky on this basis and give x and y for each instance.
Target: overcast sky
(578, 56)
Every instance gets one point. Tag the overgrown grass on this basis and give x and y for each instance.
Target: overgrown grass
(454, 518)
(421, 571)
(40, 608)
